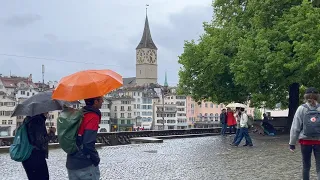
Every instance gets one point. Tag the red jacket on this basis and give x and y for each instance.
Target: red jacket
(231, 120)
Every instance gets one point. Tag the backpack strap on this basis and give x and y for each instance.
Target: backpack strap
(306, 106)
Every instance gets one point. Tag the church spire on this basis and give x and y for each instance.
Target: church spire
(146, 40)
(165, 80)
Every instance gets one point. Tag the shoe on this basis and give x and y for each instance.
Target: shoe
(246, 145)
(250, 145)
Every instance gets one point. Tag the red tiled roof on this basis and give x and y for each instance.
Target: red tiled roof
(11, 82)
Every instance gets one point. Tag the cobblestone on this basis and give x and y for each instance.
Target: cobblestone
(205, 158)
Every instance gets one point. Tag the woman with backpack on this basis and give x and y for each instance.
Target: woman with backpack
(305, 127)
(36, 165)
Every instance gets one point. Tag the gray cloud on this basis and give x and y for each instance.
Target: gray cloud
(22, 20)
(108, 45)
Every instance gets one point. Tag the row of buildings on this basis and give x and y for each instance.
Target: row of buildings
(124, 109)
(141, 102)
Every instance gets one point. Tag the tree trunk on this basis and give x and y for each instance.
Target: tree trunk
(293, 103)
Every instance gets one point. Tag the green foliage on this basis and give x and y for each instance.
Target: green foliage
(253, 48)
(257, 114)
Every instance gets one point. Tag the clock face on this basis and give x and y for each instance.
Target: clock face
(151, 56)
(140, 56)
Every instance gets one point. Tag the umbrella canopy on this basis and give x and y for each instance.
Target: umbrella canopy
(235, 105)
(87, 84)
(38, 104)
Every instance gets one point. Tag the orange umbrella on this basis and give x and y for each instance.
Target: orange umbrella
(87, 84)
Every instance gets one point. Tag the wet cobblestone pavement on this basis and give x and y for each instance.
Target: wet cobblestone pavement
(206, 158)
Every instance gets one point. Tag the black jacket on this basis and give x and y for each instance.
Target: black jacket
(37, 133)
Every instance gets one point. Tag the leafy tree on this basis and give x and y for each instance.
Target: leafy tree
(257, 114)
(265, 50)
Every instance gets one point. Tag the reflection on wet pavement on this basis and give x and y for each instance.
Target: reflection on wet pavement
(205, 158)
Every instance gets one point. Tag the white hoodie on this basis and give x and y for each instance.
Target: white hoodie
(244, 120)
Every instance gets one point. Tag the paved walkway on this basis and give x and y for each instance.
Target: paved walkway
(205, 158)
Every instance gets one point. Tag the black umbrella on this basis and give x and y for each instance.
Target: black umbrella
(38, 104)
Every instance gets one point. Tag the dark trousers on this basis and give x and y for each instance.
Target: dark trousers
(36, 166)
(223, 128)
(306, 151)
(243, 134)
(232, 127)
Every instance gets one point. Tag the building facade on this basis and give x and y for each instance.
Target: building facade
(122, 118)
(206, 114)
(8, 124)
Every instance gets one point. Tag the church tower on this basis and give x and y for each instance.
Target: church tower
(146, 58)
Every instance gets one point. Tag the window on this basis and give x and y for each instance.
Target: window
(122, 108)
(206, 105)
(138, 106)
(216, 117)
(217, 106)
(128, 121)
(23, 92)
(123, 122)
(4, 121)
(122, 115)
(28, 94)
(211, 105)
(129, 116)
(129, 108)
(9, 121)
(115, 108)
(221, 105)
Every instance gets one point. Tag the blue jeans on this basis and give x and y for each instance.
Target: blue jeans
(236, 136)
(88, 173)
(223, 128)
(243, 134)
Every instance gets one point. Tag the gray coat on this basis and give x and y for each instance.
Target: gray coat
(296, 131)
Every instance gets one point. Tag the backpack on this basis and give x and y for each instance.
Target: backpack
(21, 148)
(311, 122)
(68, 123)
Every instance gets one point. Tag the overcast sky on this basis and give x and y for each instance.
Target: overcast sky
(102, 33)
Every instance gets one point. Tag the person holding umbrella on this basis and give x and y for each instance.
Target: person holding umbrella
(90, 85)
(36, 110)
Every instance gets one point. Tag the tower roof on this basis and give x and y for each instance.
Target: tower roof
(165, 80)
(146, 40)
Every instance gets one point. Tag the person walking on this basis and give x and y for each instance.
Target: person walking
(84, 164)
(305, 127)
(244, 133)
(223, 121)
(36, 165)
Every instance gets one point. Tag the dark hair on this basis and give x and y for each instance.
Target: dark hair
(242, 109)
(223, 109)
(90, 101)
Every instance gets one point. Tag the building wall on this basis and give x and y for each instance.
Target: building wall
(105, 117)
(122, 111)
(206, 111)
(6, 108)
(146, 71)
